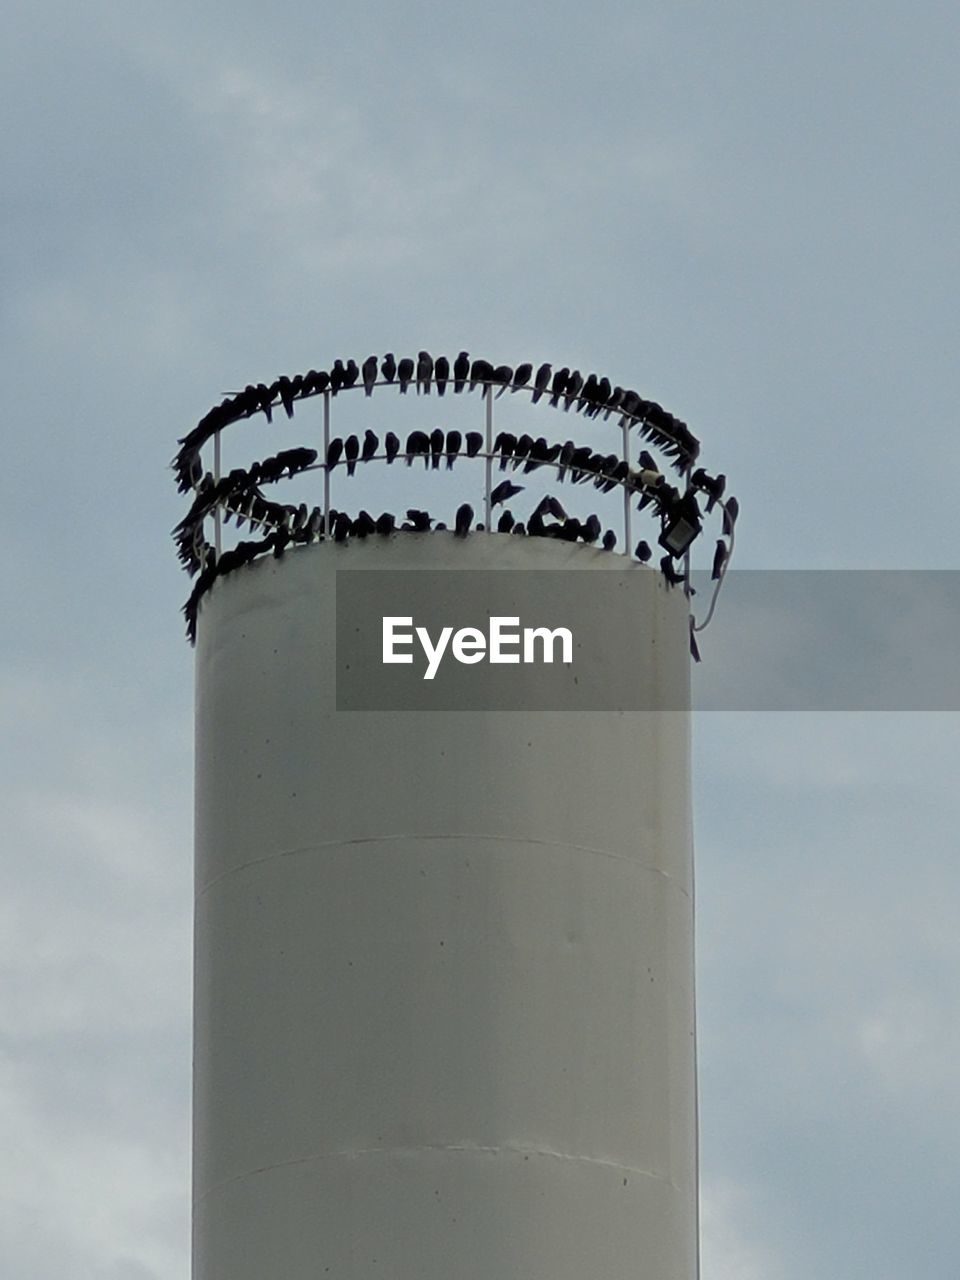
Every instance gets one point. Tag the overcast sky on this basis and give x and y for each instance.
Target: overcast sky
(748, 211)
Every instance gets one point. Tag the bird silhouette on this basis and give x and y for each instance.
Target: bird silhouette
(454, 441)
(464, 520)
(285, 391)
(502, 377)
(643, 551)
(334, 451)
(461, 371)
(341, 527)
(506, 522)
(474, 443)
(559, 385)
(351, 374)
(370, 444)
(369, 372)
(591, 529)
(388, 368)
(338, 376)
(436, 446)
(504, 491)
(480, 371)
(386, 524)
(522, 376)
(541, 382)
(609, 540)
(392, 445)
(441, 373)
(418, 521)
(405, 374)
(673, 578)
(504, 445)
(424, 372)
(418, 445)
(351, 450)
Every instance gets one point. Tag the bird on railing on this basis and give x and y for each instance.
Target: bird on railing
(541, 382)
(405, 373)
(474, 441)
(418, 445)
(369, 372)
(388, 368)
(454, 443)
(502, 377)
(424, 372)
(464, 520)
(417, 521)
(351, 451)
(436, 446)
(371, 443)
(461, 371)
(441, 374)
(480, 371)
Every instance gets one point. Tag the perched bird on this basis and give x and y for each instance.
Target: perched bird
(673, 578)
(505, 523)
(392, 445)
(418, 521)
(541, 382)
(418, 445)
(464, 520)
(454, 441)
(363, 525)
(522, 449)
(567, 451)
(436, 446)
(385, 524)
(541, 453)
(405, 374)
(370, 444)
(559, 385)
(369, 371)
(265, 400)
(522, 376)
(480, 371)
(388, 368)
(719, 560)
(474, 443)
(424, 372)
(730, 512)
(502, 376)
(461, 371)
(591, 529)
(441, 373)
(504, 491)
(574, 383)
(504, 444)
(341, 527)
(338, 376)
(643, 551)
(334, 450)
(609, 540)
(351, 374)
(286, 393)
(351, 450)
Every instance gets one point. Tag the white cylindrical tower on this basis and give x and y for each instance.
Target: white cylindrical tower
(444, 1007)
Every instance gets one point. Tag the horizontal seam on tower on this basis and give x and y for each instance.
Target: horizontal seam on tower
(469, 1148)
(388, 839)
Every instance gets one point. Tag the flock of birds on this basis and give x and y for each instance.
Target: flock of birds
(239, 497)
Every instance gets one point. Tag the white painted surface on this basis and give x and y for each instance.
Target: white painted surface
(444, 1022)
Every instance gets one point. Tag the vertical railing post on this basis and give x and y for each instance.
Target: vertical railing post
(488, 483)
(326, 464)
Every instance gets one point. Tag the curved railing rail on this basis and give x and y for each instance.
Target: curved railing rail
(238, 495)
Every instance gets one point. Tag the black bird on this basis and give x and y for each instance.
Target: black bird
(541, 382)
(574, 383)
(570, 530)
(279, 541)
(502, 376)
(615, 474)
(504, 444)
(424, 372)
(522, 376)
(314, 382)
(614, 401)
(369, 374)
(522, 449)
(436, 446)
(419, 521)
(551, 506)
(405, 374)
(504, 491)
(480, 371)
(719, 560)
(315, 523)
(265, 400)
(338, 375)
(559, 385)
(389, 367)
(673, 578)
(589, 396)
(461, 371)
(603, 397)
(441, 373)
(334, 450)
(285, 389)
(648, 462)
(643, 551)
(418, 445)
(351, 449)
(474, 443)
(392, 445)
(363, 525)
(341, 527)
(567, 451)
(609, 540)
(505, 523)
(541, 453)
(464, 520)
(591, 529)
(351, 374)
(454, 441)
(386, 524)
(730, 512)
(370, 444)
